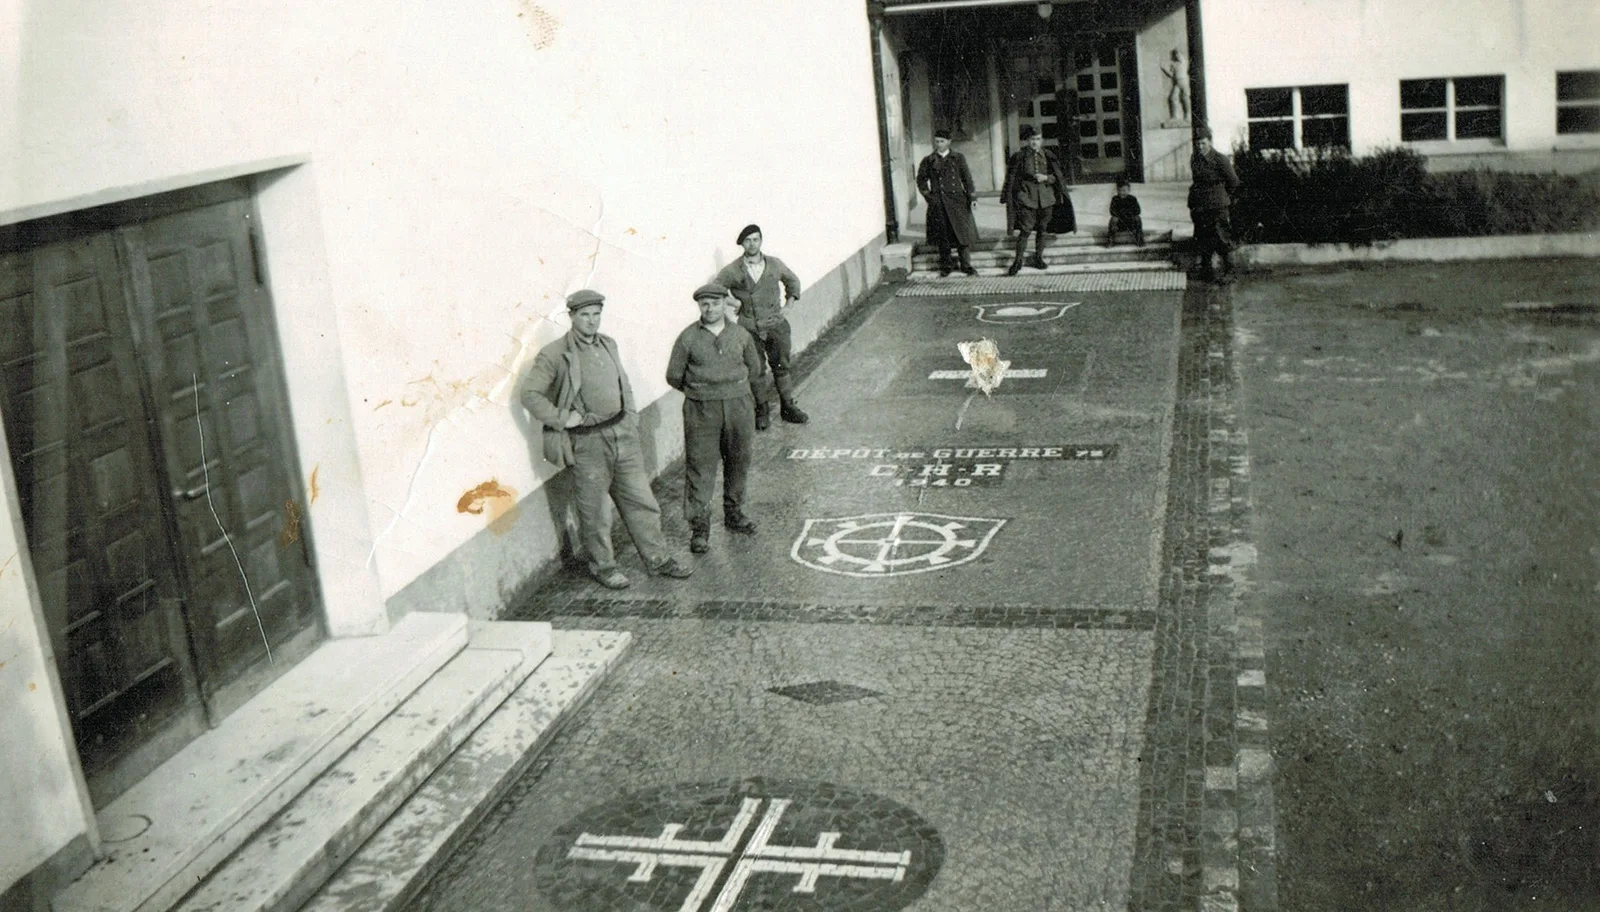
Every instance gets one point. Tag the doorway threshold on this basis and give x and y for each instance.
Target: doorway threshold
(168, 831)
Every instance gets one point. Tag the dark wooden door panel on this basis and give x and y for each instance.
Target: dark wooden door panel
(89, 496)
(210, 362)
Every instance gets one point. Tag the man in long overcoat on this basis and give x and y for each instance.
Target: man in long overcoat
(1035, 184)
(1210, 196)
(946, 184)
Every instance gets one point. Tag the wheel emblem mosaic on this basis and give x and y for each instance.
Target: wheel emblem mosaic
(892, 544)
(741, 845)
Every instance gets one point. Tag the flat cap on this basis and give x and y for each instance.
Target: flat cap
(1028, 131)
(581, 299)
(710, 290)
(941, 134)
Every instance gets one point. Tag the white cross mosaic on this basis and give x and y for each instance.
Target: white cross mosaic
(808, 864)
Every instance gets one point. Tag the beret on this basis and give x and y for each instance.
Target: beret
(1028, 132)
(581, 299)
(941, 134)
(747, 231)
(710, 290)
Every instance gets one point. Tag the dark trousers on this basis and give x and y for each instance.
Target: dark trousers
(776, 343)
(716, 431)
(609, 462)
(1213, 234)
(1032, 220)
(1133, 225)
(944, 256)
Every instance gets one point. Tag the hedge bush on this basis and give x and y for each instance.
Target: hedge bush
(1332, 197)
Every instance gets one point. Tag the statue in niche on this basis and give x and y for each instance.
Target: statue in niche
(1176, 71)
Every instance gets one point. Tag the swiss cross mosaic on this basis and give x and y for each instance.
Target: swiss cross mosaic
(876, 545)
(741, 845)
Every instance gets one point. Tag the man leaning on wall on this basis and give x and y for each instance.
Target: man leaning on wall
(580, 392)
(764, 286)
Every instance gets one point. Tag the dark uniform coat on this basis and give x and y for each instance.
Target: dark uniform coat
(946, 183)
(1214, 182)
(1021, 191)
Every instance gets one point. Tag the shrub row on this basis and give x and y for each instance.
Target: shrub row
(1333, 197)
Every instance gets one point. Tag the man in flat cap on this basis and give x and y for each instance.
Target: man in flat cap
(946, 184)
(1211, 190)
(755, 279)
(579, 391)
(711, 363)
(1035, 185)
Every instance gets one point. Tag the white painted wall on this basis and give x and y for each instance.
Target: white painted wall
(468, 164)
(1372, 44)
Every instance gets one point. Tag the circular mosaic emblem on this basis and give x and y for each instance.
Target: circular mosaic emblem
(741, 845)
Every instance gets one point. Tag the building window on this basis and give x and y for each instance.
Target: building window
(1307, 117)
(1578, 102)
(1444, 110)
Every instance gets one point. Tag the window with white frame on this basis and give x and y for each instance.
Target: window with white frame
(1578, 102)
(1448, 109)
(1300, 117)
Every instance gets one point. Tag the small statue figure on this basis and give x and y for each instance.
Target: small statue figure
(1176, 70)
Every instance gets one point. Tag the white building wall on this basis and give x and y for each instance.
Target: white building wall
(1373, 44)
(466, 164)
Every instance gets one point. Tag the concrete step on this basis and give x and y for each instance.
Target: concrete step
(299, 849)
(179, 823)
(404, 854)
(1123, 253)
(1052, 269)
(1076, 239)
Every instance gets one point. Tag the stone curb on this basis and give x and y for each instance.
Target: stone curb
(1499, 247)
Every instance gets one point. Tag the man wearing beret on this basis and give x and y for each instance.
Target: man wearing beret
(755, 279)
(711, 363)
(1035, 185)
(579, 391)
(945, 182)
(1211, 190)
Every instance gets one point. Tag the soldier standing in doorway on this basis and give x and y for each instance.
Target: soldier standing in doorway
(1035, 185)
(946, 184)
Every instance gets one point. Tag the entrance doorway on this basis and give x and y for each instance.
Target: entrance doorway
(1102, 123)
(149, 431)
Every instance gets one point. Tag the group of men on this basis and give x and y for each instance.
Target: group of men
(579, 391)
(1036, 200)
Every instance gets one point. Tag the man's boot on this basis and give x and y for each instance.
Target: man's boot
(1038, 252)
(1016, 258)
(944, 261)
(966, 262)
(763, 415)
(1226, 276)
(700, 538)
(790, 412)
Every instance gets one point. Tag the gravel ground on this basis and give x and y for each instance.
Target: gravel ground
(1425, 442)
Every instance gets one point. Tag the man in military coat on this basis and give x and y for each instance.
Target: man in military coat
(946, 184)
(1035, 185)
(1211, 190)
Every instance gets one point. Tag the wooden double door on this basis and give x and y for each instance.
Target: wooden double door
(148, 429)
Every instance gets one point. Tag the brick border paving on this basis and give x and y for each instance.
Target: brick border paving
(1130, 280)
(575, 604)
(1205, 836)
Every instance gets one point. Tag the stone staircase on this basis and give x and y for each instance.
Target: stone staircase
(1085, 251)
(292, 795)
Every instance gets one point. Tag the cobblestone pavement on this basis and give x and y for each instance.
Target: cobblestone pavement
(984, 653)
